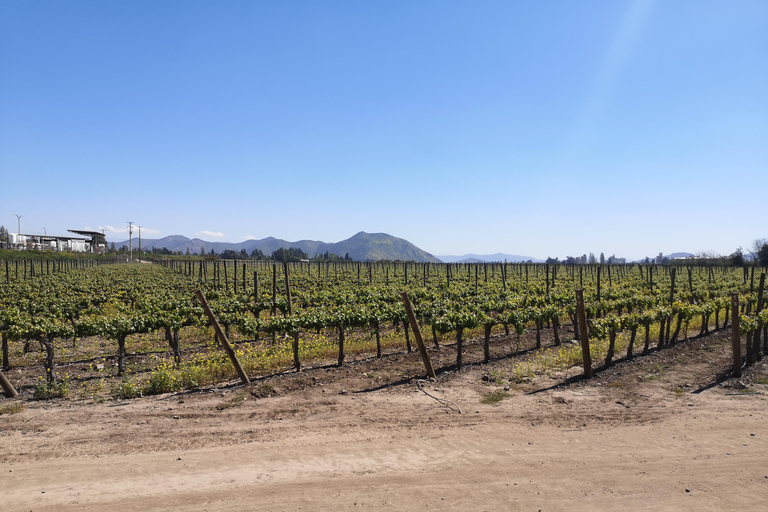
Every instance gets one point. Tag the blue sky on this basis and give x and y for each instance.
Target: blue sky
(547, 128)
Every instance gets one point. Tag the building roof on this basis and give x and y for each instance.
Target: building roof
(96, 236)
(86, 233)
(52, 237)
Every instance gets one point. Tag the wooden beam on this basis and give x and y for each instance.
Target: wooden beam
(417, 334)
(8, 388)
(222, 337)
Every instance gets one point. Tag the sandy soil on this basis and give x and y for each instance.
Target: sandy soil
(666, 431)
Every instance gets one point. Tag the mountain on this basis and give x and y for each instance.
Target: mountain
(479, 258)
(379, 246)
(361, 247)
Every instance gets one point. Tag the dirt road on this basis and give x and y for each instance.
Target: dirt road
(622, 441)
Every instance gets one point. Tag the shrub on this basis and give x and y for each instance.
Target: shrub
(125, 390)
(46, 391)
(163, 380)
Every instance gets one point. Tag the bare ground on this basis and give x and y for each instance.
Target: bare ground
(666, 431)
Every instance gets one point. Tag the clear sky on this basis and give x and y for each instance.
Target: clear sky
(548, 128)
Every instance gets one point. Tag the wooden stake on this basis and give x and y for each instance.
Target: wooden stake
(8, 388)
(583, 333)
(222, 337)
(6, 358)
(735, 340)
(756, 340)
(417, 335)
(295, 333)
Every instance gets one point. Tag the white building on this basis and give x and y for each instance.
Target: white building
(96, 243)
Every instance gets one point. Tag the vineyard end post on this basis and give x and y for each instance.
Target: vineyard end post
(222, 337)
(8, 388)
(417, 335)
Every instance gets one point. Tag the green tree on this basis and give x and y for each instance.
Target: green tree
(762, 255)
(757, 244)
(737, 258)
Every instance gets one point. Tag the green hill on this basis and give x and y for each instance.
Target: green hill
(379, 246)
(361, 247)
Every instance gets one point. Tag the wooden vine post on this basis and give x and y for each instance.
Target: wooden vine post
(756, 339)
(417, 335)
(222, 337)
(295, 345)
(735, 338)
(583, 333)
(6, 358)
(8, 388)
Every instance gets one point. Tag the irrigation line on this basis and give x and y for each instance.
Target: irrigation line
(442, 401)
(30, 419)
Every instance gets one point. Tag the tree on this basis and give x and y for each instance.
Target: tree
(292, 254)
(188, 252)
(757, 244)
(762, 255)
(592, 260)
(737, 258)
(112, 247)
(228, 254)
(202, 251)
(602, 259)
(3, 234)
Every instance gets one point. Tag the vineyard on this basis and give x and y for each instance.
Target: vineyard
(140, 327)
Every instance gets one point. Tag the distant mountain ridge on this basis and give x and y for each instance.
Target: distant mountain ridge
(360, 247)
(479, 258)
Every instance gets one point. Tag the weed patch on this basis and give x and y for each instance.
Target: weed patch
(13, 408)
(494, 397)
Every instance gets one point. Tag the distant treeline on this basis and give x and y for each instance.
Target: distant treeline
(282, 254)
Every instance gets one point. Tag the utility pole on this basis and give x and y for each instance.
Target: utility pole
(130, 240)
(18, 218)
(139, 241)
